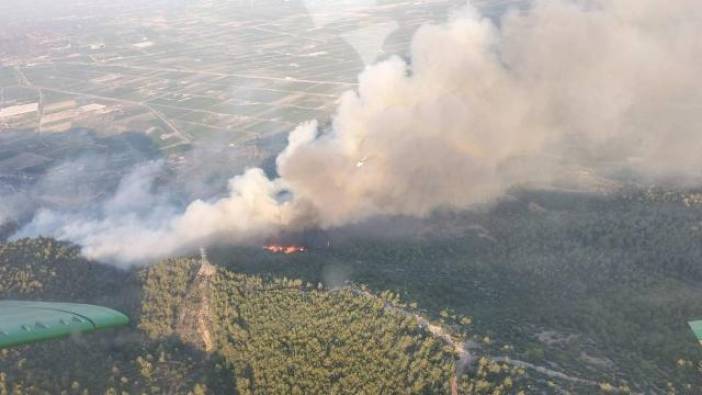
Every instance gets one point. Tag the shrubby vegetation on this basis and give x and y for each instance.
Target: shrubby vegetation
(600, 288)
(282, 336)
(101, 364)
(165, 289)
(492, 377)
(272, 335)
(616, 278)
(49, 270)
(123, 361)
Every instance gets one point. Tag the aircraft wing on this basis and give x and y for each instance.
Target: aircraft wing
(29, 322)
(696, 327)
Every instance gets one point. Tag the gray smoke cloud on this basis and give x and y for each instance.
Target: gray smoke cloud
(482, 106)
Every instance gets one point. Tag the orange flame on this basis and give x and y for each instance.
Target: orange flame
(283, 249)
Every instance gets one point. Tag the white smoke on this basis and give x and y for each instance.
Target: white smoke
(481, 107)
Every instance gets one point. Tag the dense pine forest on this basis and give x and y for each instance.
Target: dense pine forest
(599, 285)
(547, 292)
(218, 331)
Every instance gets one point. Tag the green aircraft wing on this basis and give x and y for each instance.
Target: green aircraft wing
(696, 327)
(29, 322)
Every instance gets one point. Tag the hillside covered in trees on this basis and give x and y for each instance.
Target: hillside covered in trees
(113, 362)
(282, 336)
(600, 286)
(547, 292)
(198, 331)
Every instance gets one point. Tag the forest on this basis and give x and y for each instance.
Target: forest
(549, 291)
(224, 332)
(601, 285)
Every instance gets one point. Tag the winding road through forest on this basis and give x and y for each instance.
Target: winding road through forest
(465, 357)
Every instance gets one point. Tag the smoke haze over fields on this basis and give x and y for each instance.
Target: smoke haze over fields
(481, 106)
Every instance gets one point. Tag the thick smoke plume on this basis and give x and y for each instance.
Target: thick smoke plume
(480, 107)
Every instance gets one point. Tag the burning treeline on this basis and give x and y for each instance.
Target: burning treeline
(287, 249)
(480, 107)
